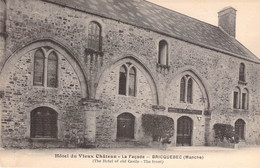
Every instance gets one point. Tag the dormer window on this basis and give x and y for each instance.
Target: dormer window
(163, 53)
(242, 72)
(94, 36)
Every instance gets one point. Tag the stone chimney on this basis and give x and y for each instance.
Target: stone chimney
(227, 20)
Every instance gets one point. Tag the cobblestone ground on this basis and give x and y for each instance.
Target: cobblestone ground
(190, 157)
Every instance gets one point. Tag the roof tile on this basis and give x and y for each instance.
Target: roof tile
(148, 15)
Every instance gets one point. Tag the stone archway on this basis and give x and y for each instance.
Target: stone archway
(125, 126)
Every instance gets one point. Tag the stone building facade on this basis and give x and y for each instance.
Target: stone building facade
(81, 73)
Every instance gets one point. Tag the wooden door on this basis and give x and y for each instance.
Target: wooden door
(125, 126)
(184, 131)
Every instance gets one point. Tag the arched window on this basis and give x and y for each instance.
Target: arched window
(240, 129)
(38, 78)
(242, 72)
(94, 36)
(45, 68)
(52, 70)
(182, 89)
(245, 101)
(163, 53)
(189, 91)
(122, 80)
(44, 123)
(127, 80)
(236, 98)
(125, 126)
(186, 88)
(132, 81)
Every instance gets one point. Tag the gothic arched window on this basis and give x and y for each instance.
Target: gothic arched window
(186, 88)
(189, 91)
(45, 68)
(236, 98)
(39, 59)
(122, 80)
(94, 36)
(127, 80)
(182, 89)
(52, 68)
(245, 98)
(132, 81)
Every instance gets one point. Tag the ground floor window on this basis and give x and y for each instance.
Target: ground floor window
(125, 126)
(240, 129)
(44, 123)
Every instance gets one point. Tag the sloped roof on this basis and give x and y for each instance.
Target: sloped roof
(151, 16)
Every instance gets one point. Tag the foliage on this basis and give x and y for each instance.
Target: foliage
(225, 131)
(159, 127)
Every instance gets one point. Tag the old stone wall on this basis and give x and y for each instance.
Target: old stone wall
(21, 97)
(217, 72)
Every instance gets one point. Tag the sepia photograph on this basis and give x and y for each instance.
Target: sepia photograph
(130, 83)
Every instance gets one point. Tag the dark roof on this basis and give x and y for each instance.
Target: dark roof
(151, 16)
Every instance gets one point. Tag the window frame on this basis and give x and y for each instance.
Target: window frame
(242, 100)
(46, 53)
(92, 27)
(242, 72)
(237, 101)
(38, 125)
(128, 66)
(35, 66)
(163, 58)
(245, 102)
(187, 91)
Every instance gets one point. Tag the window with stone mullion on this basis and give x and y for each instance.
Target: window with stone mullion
(39, 62)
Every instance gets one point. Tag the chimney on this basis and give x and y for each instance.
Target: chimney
(227, 20)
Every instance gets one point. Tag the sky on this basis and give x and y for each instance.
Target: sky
(247, 18)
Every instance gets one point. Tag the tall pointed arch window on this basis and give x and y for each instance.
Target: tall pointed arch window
(122, 80)
(163, 53)
(245, 98)
(189, 91)
(132, 81)
(242, 72)
(94, 36)
(127, 80)
(45, 68)
(52, 70)
(39, 58)
(236, 98)
(186, 89)
(182, 89)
